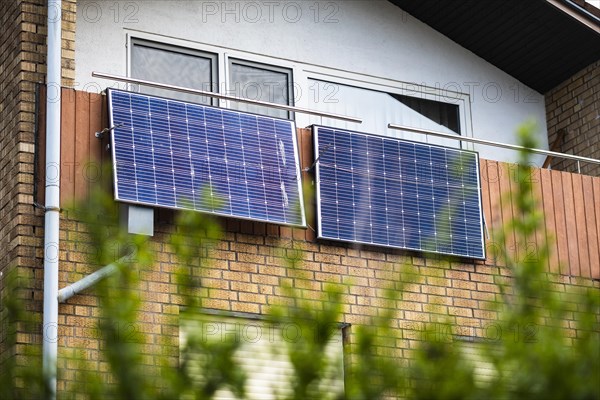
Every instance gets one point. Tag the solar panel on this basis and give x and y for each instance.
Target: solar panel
(397, 193)
(173, 154)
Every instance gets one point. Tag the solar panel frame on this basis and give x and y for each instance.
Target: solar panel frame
(280, 125)
(322, 208)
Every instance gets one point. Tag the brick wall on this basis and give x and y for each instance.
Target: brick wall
(22, 67)
(247, 269)
(20, 59)
(573, 112)
(69, 16)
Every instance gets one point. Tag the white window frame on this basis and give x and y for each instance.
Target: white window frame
(156, 43)
(268, 66)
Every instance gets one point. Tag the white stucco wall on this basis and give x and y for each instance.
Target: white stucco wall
(370, 41)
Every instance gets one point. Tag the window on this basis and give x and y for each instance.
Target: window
(262, 353)
(199, 69)
(260, 82)
(174, 66)
(377, 108)
(377, 101)
(444, 114)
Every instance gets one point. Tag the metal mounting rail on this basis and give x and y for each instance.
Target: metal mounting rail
(495, 144)
(225, 97)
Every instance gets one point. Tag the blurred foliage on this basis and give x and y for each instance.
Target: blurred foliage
(20, 375)
(532, 353)
(308, 355)
(532, 357)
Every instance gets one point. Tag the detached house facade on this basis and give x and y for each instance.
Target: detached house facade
(475, 70)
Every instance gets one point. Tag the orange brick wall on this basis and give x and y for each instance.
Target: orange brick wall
(574, 107)
(246, 273)
(247, 269)
(21, 56)
(22, 69)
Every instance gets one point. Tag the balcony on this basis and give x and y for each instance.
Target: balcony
(570, 202)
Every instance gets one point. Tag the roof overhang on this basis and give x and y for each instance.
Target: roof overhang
(540, 42)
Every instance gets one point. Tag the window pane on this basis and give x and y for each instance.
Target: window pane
(174, 68)
(256, 83)
(359, 102)
(444, 114)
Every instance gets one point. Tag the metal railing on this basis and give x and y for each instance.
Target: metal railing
(225, 97)
(341, 117)
(496, 144)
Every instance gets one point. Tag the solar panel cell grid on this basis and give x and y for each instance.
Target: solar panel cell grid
(173, 154)
(395, 193)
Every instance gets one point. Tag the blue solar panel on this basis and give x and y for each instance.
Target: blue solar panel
(172, 154)
(397, 193)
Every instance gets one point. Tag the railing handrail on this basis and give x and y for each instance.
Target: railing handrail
(493, 143)
(225, 97)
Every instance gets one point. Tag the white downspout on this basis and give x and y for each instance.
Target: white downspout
(52, 208)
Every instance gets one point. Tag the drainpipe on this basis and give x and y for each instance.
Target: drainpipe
(85, 283)
(52, 207)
